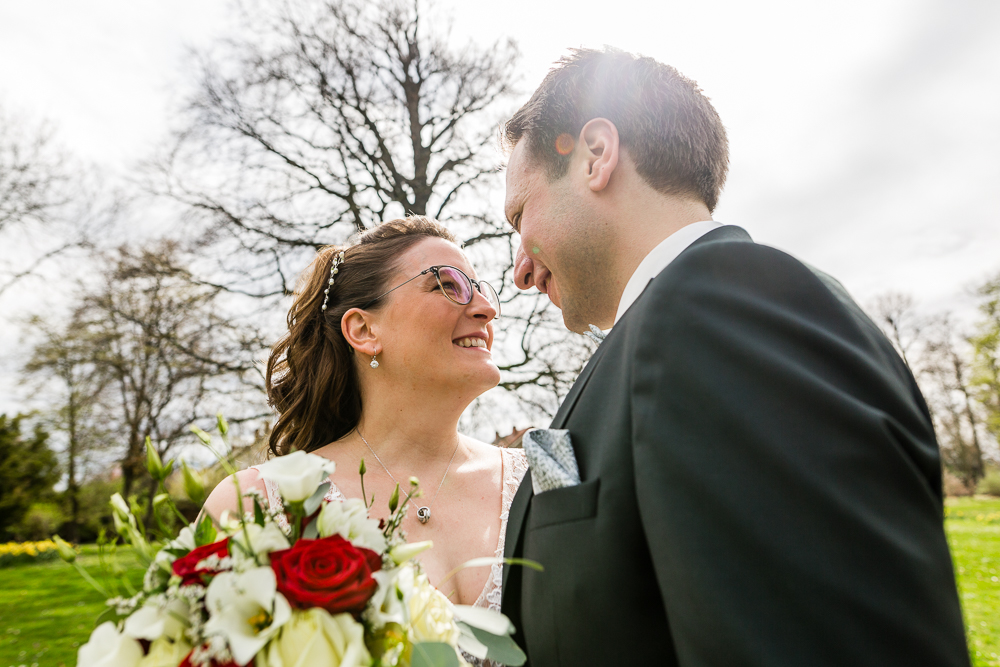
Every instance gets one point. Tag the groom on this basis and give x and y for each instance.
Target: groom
(759, 478)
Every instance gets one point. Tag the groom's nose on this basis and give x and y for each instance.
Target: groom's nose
(524, 270)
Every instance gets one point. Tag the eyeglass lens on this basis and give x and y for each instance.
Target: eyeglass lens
(458, 287)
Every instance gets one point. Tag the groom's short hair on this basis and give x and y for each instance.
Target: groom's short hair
(669, 128)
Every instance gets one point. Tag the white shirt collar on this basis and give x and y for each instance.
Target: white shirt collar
(658, 259)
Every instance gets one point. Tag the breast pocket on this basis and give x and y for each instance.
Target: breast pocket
(571, 503)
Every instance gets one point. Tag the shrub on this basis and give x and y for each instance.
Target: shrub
(16, 553)
(990, 484)
(41, 522)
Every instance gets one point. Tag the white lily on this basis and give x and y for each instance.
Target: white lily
(297, 475)
(262, 542)
(246, 609)
(158, 618)
(108, 648)
(350, 520)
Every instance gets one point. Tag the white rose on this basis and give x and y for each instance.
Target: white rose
(246, 609)
(166, 653)
(349, 518)
(107, 648)
(158, 618)
(406, 597)
(314, 637)
(297, 474)
(432, 618)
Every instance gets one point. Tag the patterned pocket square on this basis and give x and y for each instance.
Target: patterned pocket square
(550, 455)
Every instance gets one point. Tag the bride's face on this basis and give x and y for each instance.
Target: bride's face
(429, 340)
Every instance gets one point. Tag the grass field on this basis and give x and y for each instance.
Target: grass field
(973, 527)
(47, 610)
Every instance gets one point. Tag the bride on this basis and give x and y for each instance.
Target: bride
(388, 342)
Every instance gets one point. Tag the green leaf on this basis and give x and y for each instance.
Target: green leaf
(109, 614)
(313, 502)
(434, 654)
(525, 562)
(258, 513)
(312, 530)
(502, 648)
(205, 533)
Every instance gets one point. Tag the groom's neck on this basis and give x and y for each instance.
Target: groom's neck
(644, 220)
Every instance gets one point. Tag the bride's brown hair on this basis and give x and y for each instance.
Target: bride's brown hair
(312, 380)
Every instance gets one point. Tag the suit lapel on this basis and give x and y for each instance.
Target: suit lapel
(522, 499)
(574, 393)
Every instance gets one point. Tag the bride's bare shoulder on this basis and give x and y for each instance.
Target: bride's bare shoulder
(224, 496)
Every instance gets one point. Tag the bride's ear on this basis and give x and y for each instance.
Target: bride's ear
(357, 327)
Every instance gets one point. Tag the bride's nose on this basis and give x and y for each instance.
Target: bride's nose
(480, 307)
(524, 270)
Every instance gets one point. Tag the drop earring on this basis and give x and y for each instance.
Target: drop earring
(374, 363)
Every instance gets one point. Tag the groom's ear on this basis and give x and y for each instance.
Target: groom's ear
(599, 147)
(356, 325)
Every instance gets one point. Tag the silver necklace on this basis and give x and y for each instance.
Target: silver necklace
(424, 512)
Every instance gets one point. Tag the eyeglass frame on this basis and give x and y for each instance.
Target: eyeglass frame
(437, 276)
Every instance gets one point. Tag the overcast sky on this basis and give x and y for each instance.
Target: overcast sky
(865, 134)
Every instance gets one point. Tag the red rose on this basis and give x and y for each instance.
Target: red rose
(186, 567)
(329, 572)
(187, 662)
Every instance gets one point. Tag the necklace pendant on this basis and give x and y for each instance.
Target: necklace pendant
(424, 514)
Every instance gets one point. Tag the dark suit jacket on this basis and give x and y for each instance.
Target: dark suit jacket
(761, 485)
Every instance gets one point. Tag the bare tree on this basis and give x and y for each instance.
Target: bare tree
(896, 315)
(947, 383)
(44, 211)
(64, 359)
(325, 118)
(167, 354)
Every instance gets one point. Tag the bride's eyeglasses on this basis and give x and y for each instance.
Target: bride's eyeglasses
(455, 285)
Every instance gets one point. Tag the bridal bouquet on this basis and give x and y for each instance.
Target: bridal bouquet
(319, 583)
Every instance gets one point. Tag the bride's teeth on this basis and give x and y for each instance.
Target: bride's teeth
(472, 342)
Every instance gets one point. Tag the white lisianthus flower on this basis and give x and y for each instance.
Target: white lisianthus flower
(246, 609)
(314, 637)
(166, 653)
(349, 519)
(159, 617)
(107, 648)
(297, 474)
(262, 542)
(407, 550)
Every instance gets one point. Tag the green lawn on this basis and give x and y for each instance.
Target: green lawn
(47, 610)
(973, 527)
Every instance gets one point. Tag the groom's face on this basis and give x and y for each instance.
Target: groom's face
(561, 238)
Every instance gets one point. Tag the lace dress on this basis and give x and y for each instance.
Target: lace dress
(515, 464)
